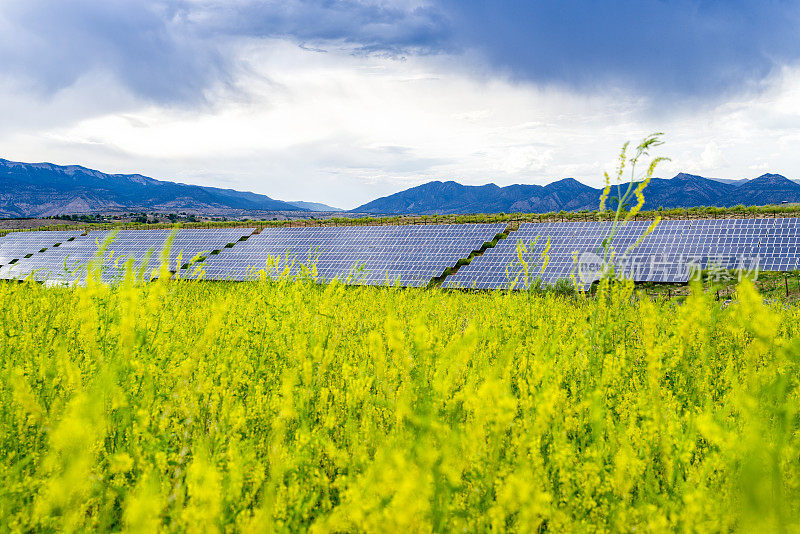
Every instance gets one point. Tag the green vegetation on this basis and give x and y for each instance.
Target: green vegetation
(624, 191)
(201, 406)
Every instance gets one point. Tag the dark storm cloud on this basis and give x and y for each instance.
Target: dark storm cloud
(148, 46)
(172, 50)
(372, 26)
(693, 49)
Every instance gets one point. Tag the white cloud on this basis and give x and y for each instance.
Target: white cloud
(709, 159)
(343, 129)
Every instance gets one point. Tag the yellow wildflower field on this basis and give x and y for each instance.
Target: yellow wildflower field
(291, 406)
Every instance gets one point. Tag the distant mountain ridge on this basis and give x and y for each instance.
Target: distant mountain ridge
(313, 206)
(682, 191)
(45, 189)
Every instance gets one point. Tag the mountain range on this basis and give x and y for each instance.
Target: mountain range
(682, 191)
(45, 189)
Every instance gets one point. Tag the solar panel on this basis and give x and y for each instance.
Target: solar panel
(411, 255)
(68, 262)
(669, 253)
(144, 247)
(64, 263)
(520, 259)
(415, 254)
(17, 245)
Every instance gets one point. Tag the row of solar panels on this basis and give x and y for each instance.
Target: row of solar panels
(64, 256)
(414, 255)
(669, 253)
(408, 255)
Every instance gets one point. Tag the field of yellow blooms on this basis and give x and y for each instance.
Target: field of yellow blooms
(290, 406)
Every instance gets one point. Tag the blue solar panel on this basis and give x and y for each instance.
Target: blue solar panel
(64, 263)
(415, 254)
(408, 255)
(144, 247)
(67, 263)
(17, 245)
(669, 254)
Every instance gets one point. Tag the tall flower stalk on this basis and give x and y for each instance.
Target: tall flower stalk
(626, 191)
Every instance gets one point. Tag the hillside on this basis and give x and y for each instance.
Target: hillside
(313, 206)
(682, 191)
(44, 189)
(766, 189)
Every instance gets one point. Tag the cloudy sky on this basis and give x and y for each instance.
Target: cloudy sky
(344, 101)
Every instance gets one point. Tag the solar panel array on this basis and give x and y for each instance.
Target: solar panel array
(145, 246)
(17, 245)
(410, 255)
(63, 263)
(662, 256)
(413, 255)
(67, 263)
(668, 254)
(500, 267)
